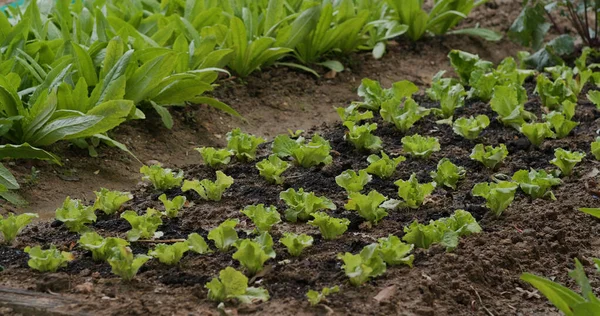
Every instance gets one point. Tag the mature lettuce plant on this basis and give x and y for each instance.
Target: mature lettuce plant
(419, 146)
(470, 128)
(537, 132)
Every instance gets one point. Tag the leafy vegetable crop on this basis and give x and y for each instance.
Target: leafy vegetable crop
(383, 166)
(470, 128)
(169, 254)
(305, 154)
(243, 145)
(353, 182)
(498, 196)
(101, 248)
(75, 215)
(367, 206)
(224, 236)
(412, 192)
(172, 207)
(215, 158)
(301, 205)
(330, 227)
(262, 217)
(143, 226)
(489, 156)
(48, 260)
(11, 225)
(537, 132)
(448, 173)
(315, 297)
(566, 160)
(295, 244)
(233, 284)
(366, 265)
(125, 264)
(111, 201)
(162, 179)
(360, 136)
(272, 168)
(419, 146)
(207, 189)
(536, 184)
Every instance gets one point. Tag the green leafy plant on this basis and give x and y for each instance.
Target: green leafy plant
(351, 113)
(412, 192)
(489, 156)
(367, 206)
(595, 146)
(301, 205)
(453, 99)
(383, 166)
(403, 116)
(75, 215)
(395, 252)
(197, 244)
(252, 255)
(330, 227)
(233, 284)
(207, 189)
(483, 80)
(447, 173)
(594, 97)
(465, 64)
(295, 244)
(536, 184)
(272, 168)
(101, 248)
(48, 260)
(509, 103)
(315, 297)
(243, 145)
(566, 160)
(470, 128)
(162, 178)
(124, 264)
(360, 136)
(498, 196)
(374, 96)
(353, 182)
(263, 217)
(172, 207)
(215, 158)
(419, 146)
(11, 225)
(224, 235)
(445, 231)
(366, 265)
(553, 93)
(169, 254)
(143, 226)
(537, 132)
(111, 201)
(560, 124)
(310, 154)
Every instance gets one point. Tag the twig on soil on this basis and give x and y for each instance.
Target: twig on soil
(481, 302)
(162, 241)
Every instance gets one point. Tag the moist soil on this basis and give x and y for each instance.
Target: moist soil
(480, 277)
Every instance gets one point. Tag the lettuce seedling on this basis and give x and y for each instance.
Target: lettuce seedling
(566, 160)
(489, 156)
(315, 297)
(395, 252)
(233, 284)
(367, 206)
(111, 201)
(537, 132)
(215, 158)
(470, 128)
(536, 184)
(403, 116)
(440, 86)
(595, 146)
(11, 225)
(509, 104)
(412, 192)
(310, 154)
(453, 99)
(125, 264)
(243, 145)
(350, 181)
(272, 168)
(209, 190)
(162, 178)
(75, 215)
(143, 226)
(169, 254)
(553, 93)
(262, 217)
(172, 207)
(363, 266)
(383, 166)
(498, 196)
(251, 255)
(48, 260)
(100, 247)
(352, 114)
(574, 78)
(224, 235)
(560, 124)
(360, 136)
(419, 146)
(594, 97)
(466, 63)
(374, 96)
(330, 227)
(295, 244)
(447, 173)
(483, 82)
(197, 244)
(302, 204)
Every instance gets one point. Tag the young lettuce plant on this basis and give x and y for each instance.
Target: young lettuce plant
(509, 103)
(197, 244)
(560, 124)
(350, 181)
(374, 96)
(383, 166)
(124, 264)
(594, 97)
(215, 158)
(169, 254)
(447, 173)
(302, 204)
(101, 248)
(315, 297)
(595, 146)
(263, 217)
(111, 201)
(367, 206)
(272, 168)
(412, 192)
(419, 146)
(209, 190)
(465, 64)
(233, 284)
(536, 184)
(48, 260)
(453, 99)
(553, 93)
(11, 225)
(366, 265)
(566, 160)
(143, 226)
(75, 215)
(403, 116)
(489, 156)
(243, 145)
(470, 128)
(360, 136)
(307, 155)
(395, 252)
(295, 244)
(537, 132)
(252, 255)
(352, 114)
(224, 235)
(162, 178)
(172, 207)
(498, 196)
(330, 227)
